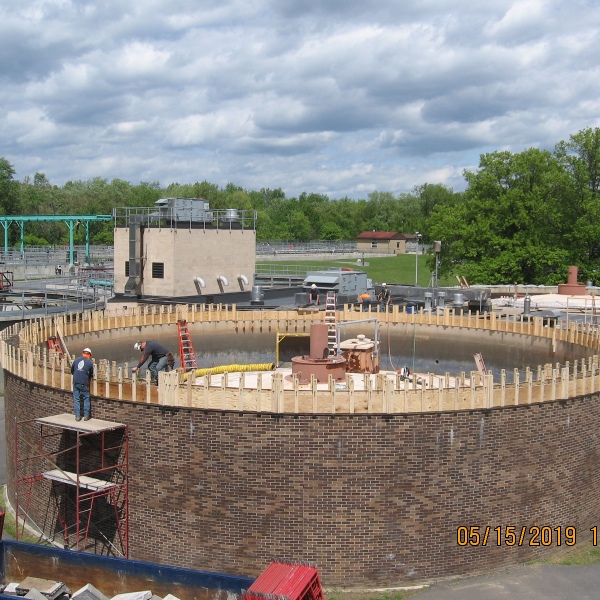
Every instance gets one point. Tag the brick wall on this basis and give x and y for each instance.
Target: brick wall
(371, 500)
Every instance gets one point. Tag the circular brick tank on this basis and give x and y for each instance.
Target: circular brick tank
(371, 499)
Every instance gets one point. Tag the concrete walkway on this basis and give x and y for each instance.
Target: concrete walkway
(536, 582)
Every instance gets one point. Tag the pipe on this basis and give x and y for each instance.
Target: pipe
(230, 369)
(223, 279)
(200, 281)
(243, 279)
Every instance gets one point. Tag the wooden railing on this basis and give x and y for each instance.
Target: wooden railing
(23, 352)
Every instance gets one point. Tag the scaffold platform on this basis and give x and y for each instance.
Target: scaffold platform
(82, 468)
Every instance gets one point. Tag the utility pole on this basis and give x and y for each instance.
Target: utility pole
(437, 248)
(418, 236)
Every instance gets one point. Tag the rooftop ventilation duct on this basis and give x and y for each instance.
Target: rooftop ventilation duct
(199, 283)
(222, 281)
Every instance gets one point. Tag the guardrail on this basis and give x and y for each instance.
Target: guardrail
(23, 353)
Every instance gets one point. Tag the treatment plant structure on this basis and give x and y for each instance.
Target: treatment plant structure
(377, 479)
(377, 475)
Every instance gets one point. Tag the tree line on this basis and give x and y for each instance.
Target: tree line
(523, 218)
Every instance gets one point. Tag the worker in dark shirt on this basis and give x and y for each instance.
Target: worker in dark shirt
(83, 371)
(384, 297)
(314, 295)
(157, 354)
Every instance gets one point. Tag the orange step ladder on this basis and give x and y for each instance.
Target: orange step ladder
(187, 356)
(54, 344)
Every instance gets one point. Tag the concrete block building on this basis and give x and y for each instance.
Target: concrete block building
(181, 248)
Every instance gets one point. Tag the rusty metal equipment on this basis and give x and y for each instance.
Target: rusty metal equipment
(319, 364)
(362, 354)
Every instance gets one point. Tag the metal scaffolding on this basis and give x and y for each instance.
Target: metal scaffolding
(81, 468)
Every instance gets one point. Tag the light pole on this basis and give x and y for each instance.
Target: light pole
(437, 248)
(418, 236)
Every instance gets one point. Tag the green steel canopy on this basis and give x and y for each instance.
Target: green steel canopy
(70, 220)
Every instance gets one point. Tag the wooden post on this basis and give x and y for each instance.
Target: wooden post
(296, 387)
(62, 374)
(332, 390)
(565, 383)
(259, 393)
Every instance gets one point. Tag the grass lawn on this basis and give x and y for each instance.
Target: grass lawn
(401, 269)
(9, 523)
(584, 553)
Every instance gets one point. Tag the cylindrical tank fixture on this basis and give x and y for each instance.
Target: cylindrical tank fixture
(319, 340)
(428, 300)
(257, 293)
(527, 304)
(459, 299)
(231, 215)
(441, 297)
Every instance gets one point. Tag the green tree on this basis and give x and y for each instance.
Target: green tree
(300, 226)
(510, 226)
(9, 189)
(331, 232)
(580, 158)
(383, 211)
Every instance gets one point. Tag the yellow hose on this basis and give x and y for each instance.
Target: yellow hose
(229, 369)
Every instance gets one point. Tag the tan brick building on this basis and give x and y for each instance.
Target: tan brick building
(180, 251)
(384, 242)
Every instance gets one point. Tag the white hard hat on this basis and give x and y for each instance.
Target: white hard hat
(314, 286)
(138, 345)
(384, 285)
(87, 350)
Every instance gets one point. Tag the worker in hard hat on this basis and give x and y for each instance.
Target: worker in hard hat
(83, 372)
(384, 297)
(157, 354)
(314, 295)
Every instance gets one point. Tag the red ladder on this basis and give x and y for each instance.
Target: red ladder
(54, 344)
(187, 356)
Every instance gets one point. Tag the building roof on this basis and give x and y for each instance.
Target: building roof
(384, 235)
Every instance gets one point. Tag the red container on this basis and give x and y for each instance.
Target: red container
(296, 582)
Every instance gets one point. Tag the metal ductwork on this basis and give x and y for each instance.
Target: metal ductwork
(199, 283)
(222, 281)
(133, 287)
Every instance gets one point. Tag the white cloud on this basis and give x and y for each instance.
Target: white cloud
(341, 97)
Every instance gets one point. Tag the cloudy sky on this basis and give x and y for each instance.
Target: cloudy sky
(337, 97)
